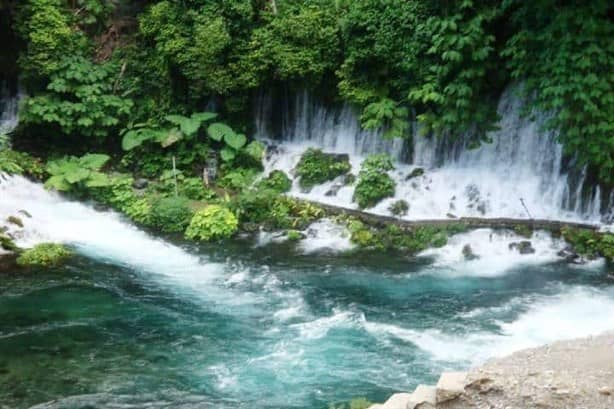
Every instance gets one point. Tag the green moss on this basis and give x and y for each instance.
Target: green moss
(394, 238)
(7, 243)
(214, 222)
(44, 254)
(374, 183)
(294, 235)
(317, 167)
(524, 231)
(590, 243)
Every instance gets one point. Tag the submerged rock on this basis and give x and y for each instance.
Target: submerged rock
(415, 173)
(140, 183)
(523, 247)
(15, 220)
(468, 253)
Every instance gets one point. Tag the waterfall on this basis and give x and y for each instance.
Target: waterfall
(9, 108)
(520, 174)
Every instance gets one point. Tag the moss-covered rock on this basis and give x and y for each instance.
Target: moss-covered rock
(590, 243)
(44, 255)
(374, 183)
(316, 167)
(399, 208)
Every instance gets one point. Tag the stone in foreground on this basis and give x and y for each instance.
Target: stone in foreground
(450, 386)
(397, 401)
(424, 397)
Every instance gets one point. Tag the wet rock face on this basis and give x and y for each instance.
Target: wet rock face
(140, 183)
(523, 247)
(415, 173)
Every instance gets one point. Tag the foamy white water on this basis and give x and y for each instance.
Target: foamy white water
(519, 175)
(494, 253)
(575, 312)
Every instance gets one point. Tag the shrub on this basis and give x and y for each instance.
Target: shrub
(590, 243)
(277, 181)
(374, 184)
(171, 214)
(44, 254)
(74, 174)
(214, 222)
(317, 167)
(20, 163)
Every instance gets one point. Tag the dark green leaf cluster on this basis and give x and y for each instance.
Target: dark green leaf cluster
(171, 214)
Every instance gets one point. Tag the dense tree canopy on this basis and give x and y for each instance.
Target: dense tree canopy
(445, 62)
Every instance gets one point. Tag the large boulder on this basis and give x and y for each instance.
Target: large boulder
(450, 386)
(523, 247)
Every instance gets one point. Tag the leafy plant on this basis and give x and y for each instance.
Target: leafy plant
(316, 167)
(386, 114)
(233, 141)
(214, 222)
(399, 208)
(374, 183)
(171, 214)
(238, 179)
(187, 127)
(79, 100)
(44, 255)
(74, 173)
(277, 181)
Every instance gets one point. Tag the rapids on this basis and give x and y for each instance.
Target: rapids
(136, 320)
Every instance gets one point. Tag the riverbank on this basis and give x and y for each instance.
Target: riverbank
(575, 374)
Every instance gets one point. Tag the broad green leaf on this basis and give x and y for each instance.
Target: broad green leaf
(217, 131)
(227, 154)
(94, 161)
(132, 139)
(255, 150)
(57, 183)
(235, 140)
(203, 116)
(77, 175)
(98, 179)
(172, 136)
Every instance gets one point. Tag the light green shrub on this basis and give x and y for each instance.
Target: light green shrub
(317, 167)
(214, 222)
(374, 183)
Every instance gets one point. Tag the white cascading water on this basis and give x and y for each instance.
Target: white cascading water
(518, 175)
(9, 109)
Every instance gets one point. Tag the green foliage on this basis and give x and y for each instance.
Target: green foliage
(45, 27)
(7, 243)
(233, 141)
(452, 96)
(277, 181)
(214, 222)
(374, 183)
(119, 195)
(293, 235)
(316, 167)
(72, 173)
(386, 114)
(187, 127)
(79, 100)
(171, 214)
(392, 237)
(267, 207)
(589, 243)
(300, 42)
(237, 179)
(44, 255)
(566, 60)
